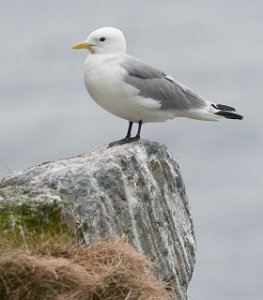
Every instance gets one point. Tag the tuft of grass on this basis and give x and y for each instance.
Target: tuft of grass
(107, 269)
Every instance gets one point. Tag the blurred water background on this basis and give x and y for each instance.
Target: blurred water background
(215, 47)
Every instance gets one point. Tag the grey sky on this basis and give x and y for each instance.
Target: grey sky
(215, 48)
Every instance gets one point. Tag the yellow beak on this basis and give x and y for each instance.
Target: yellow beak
(81, 45)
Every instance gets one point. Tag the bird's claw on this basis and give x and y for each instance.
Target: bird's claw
(124, 141)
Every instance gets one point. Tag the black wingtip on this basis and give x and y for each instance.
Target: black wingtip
(229, 115)
(224, 107)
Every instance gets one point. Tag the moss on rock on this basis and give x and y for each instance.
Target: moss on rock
(32, 224)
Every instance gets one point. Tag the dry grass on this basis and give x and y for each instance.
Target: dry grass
(108, 269)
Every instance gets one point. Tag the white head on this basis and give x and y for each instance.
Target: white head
(104, 40)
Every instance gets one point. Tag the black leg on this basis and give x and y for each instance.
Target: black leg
(128, 138)
(129, 130)
(138, 135)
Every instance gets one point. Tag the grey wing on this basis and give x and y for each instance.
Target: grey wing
(153, 83)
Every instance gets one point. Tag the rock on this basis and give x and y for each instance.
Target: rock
(134, 191)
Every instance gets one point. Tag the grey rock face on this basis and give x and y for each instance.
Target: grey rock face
(134, 190)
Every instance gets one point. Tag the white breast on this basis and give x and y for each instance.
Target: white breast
(104, 82)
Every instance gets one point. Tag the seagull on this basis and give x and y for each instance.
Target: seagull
(137, 92)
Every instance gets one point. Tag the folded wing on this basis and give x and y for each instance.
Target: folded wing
(155, 84)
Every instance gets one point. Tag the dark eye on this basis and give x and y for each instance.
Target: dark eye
(102, 39)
